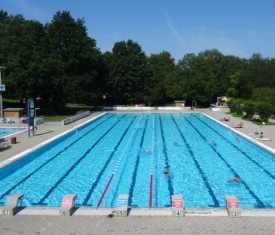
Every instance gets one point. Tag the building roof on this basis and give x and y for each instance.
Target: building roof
(13, 109)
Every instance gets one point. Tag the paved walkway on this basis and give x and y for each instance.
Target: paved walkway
(102, 224)
(88, 225)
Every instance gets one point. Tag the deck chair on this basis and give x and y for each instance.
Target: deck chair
(4, 145)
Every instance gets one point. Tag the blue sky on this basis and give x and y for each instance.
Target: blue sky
(234, 27)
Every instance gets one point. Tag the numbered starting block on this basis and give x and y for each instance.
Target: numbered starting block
(177, 206)
(232, 204)
(122, 205)
(67, 205)
(11, 204)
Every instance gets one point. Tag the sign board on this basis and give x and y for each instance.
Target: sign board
(232, 203)
(177, 203)
(67, 202)
(30, 117)
(177, 206)
(121, 202)
(2, 87)
(31, 113)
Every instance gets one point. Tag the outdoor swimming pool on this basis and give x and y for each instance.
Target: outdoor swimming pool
(6, 131)
(124, 153)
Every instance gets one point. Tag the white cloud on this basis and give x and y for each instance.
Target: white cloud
(199, 39)
(174, 31)
(176, 34)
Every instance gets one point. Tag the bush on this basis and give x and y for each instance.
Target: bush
(264, 109)
(236, 106)
(249, 108)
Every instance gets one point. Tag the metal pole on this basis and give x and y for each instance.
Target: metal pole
(35, 111)
(1, 100)
(1, 103)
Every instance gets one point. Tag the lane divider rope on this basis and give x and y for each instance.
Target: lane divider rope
(118, 163)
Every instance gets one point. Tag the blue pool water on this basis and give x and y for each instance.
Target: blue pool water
(6, 131)
(106, 158)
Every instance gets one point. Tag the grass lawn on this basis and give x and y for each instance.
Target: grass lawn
(47, 111)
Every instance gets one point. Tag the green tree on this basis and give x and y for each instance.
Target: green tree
(236, 106)
(233, 89)
(224, 69)
(264, 94)
(249, 108)
(198, 79)
(21, 45)
(162, 84)
(215, 60)
(265, 109)
(128, 72)
(255, 73)
(76, 59)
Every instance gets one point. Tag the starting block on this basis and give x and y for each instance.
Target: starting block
(177, 206)
(11, 205)
(122, 205)
(232, 204)
(67, 204)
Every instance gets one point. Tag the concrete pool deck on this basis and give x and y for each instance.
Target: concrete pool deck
(160, 222)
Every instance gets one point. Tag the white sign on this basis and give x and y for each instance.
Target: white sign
(2, 87)
(32, 113)
(31, 104)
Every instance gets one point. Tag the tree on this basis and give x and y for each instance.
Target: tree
(76, 59)
(162, 83)
(233, 89)
(198, 79)
(262, 94)
(21, 45)
(128, 72)
(223, 68)
(215, 60)
(255, 73)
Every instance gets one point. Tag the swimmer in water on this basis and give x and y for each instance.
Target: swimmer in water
(235, 179)
(146, 149)
(165, 171)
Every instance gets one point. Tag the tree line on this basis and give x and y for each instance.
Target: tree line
(59, 63)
